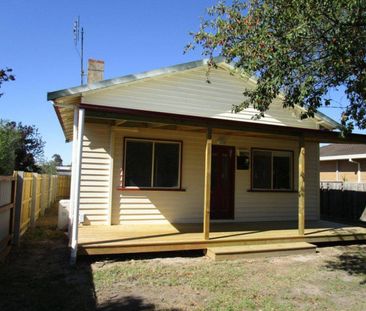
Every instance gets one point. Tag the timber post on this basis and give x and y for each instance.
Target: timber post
(34, 201)
(18, 208)
(207, 188)
(111, 169)
(301, 187)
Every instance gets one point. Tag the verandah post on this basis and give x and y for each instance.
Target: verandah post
(207, 187)
(301, 187)
(75, 222)
(73, 169)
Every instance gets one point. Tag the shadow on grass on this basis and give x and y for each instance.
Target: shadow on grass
(37, 276)
(353, 262)
(130, 303)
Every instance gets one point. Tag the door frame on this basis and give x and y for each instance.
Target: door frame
(232, 172)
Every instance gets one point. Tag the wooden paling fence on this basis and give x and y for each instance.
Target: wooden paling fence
(343, 201)
(24, 197)
(7, 207)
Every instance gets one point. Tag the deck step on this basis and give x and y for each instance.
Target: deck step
(260, 250)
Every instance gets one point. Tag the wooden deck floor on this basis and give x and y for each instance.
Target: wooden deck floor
(120, 239)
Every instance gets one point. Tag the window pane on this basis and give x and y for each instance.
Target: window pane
(262, 167)
(281, 172)
(166, 165)
(138, 163)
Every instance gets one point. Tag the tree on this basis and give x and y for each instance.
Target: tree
(48, 167)
(57, 159)
(9, 140)
(29, 148)
(300, 48)
(5, 75)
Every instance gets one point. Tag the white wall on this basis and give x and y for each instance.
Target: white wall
(187, 206)
(188, 93)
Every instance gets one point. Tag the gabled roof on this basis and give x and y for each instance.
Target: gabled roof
(66, 98)
(100, 85)
(342, 151)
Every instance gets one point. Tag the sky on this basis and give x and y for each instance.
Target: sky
(130, 36)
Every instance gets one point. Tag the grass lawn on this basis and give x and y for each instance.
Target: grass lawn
(36, 276)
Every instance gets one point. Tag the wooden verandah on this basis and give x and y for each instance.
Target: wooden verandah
(122, 239)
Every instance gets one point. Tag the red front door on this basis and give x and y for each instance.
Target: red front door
(222, 182)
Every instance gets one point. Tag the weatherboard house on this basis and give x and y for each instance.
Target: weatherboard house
(162, 163)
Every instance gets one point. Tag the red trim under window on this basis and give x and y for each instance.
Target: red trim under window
(123, 186)
(272, 190)
(151, 189)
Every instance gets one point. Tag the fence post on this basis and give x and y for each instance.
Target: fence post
(50, 191)
(13, 200)
(55, 188)
(43, 186)
(34, 201)
(18, 208)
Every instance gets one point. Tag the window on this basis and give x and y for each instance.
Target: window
(272, 170)
(152, 164)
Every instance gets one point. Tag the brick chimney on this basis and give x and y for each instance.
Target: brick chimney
(95, 70)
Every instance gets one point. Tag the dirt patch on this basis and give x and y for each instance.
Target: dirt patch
(37, 276)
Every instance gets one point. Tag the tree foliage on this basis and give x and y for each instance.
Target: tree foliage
(6, 75)
(9, 141)
(57, 159)
(300, 48)
(29, 149)
(50, 167)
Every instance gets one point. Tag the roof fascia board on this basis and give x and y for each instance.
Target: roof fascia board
(344, 157)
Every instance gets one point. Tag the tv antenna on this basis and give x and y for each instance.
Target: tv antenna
(78, 32)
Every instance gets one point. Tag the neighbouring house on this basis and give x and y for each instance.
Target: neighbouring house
(343, 162)
(162, 162)
(64, 170)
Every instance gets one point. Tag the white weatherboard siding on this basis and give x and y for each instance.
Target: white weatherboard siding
(162, 206)
(188, 93)
(155, 207)
(94, 183)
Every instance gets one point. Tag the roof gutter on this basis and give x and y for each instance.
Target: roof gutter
(343, 157)
(332, 122)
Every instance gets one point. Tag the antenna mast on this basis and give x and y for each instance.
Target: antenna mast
(79, 39)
